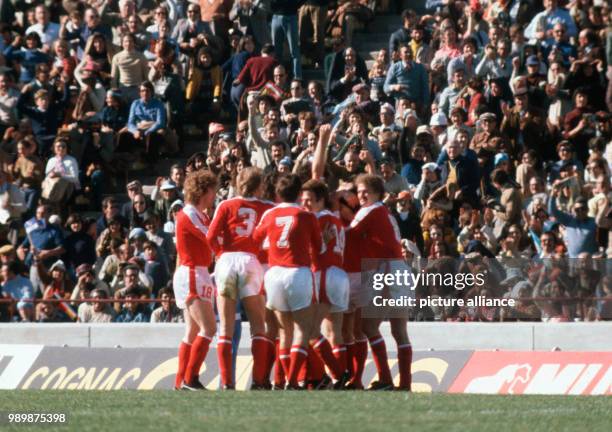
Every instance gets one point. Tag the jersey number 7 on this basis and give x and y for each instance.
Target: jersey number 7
(286, 222)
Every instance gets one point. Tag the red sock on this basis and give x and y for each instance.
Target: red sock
(379, 352)
(359, 359)
(197, 354)
(270, 358)
(324, 350)
(298, 358)
(340, 355)
(224, 354)
(316, 367)
(404, 360)
(183, 359)
(259, 349)
(284, 361)
(350, 358)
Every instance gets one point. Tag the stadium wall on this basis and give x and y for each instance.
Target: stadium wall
(424, 335)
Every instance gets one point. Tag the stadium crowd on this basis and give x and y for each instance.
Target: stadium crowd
(488, 121)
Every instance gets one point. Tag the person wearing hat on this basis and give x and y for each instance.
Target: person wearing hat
(429, 182)
(87, 281)
(524, 124)
(438, 124)
(168, 194)
(488, 124)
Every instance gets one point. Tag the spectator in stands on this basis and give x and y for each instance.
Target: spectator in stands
(408, 79)
(132, 311)
(285, 27)
(110, 210)
(96, 312)
(80, 247)
(146, 125)
(18, 288)
(167, 312)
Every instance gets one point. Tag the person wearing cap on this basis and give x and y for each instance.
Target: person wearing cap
(429, 182)
(133, 188)
(438, 123)
(86, 276)
(170, 226)
(409, 79)
(168, 194)
(524, 124)
(18, 288)
(488, 124)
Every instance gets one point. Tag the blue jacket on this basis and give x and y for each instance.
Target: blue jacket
(414, 79)
(579, 234)
(28, 59)
(153, 111)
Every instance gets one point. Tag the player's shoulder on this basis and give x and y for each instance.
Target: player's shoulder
(366, 211)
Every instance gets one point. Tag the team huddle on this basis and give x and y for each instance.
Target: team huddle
(295, 266)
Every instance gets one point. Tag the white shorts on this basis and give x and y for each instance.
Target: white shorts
(333, 288)
(238, 275)
(190, 283)
(289, 288)
(359, 295)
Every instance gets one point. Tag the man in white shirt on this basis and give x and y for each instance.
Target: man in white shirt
(47, 30)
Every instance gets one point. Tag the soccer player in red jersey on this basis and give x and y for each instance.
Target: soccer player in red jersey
(239, 274)
(193, 287)
(375, 229)
(331, 282)
(294, 242)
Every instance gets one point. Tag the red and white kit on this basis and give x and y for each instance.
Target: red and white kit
(238, 272)
(191, 278)
(294, 238)
(375, 233)
(331, 280)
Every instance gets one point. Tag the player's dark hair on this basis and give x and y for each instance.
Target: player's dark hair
(319, 189)
(288, 187)
(267, 49)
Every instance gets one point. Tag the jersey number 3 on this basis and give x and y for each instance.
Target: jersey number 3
(248, 216)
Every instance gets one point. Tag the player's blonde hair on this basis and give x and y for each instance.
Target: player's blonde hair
(197, 184)
(248, 181)
(372, 182)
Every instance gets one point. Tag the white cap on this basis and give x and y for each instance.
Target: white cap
(438, 119)
(423, 129)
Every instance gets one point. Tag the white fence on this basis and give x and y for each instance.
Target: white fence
(595, 336)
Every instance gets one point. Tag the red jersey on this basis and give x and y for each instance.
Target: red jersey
(332, 232)
(233, 224)
(293, 234)
(376, 233)
(191, 243)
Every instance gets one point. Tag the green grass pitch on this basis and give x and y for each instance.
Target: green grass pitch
(307, 411)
